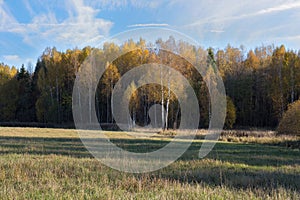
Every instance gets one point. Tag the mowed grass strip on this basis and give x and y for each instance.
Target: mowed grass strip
(54, 164)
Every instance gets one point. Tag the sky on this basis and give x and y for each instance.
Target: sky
(27, 27)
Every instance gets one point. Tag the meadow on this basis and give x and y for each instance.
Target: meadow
(54, 164)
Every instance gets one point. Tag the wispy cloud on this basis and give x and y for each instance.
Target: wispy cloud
(247, 22)
(77, 22)
(7, 21)
(11, 58)
(148, 25)
(81, 25)
(28, 7)
(114, 4)
(231, 16)
(217, 31)
(290, 38)
(279, 8)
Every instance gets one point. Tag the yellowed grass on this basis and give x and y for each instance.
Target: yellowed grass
(54, 164)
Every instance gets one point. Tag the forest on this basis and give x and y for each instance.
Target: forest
(260, 84)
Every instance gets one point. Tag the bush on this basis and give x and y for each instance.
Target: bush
(290, 122)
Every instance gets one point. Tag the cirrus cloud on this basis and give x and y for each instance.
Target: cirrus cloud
(11, 58)
(82, 24)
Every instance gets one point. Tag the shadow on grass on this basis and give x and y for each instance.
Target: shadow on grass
(250, 154)
(234, 177)
(258, 157)
(295, 144)
(43, 146)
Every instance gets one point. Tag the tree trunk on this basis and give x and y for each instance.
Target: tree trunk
(145, 110)
(155, 118)
(134, 118)
(168, 101)
(176, 118)
(90, 104)
(107, 107)
(162, 99)
(281, 90)
(98, 109)
(79, 102)
(292, 84)
(57, 100)
(112, 106)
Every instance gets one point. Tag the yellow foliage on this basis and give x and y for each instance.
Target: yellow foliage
(290, 120)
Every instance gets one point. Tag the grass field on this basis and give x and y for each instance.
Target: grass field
(54, 164)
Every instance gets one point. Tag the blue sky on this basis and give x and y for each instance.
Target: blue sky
(27, 27)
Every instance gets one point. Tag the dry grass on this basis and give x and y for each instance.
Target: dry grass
(245, 136)
(53, 164)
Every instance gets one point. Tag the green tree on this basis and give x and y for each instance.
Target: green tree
(25, 111)
(8, 100)
(230, 114)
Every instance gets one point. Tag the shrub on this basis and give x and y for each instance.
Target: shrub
(290, 122)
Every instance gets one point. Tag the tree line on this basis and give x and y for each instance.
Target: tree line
(259, 83)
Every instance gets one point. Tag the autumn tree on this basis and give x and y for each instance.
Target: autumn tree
(8, 93)
(289, 124)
